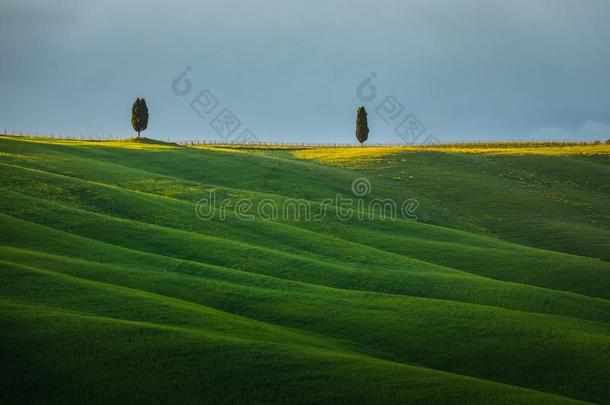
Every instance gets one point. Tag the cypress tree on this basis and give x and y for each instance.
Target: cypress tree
(362, 127)
(139, 115)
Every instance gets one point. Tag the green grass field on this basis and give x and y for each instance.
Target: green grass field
(114, 290)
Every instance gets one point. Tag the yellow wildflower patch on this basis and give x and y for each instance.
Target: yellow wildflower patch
(356, 156)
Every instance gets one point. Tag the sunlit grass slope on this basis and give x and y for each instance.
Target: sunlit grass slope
(549, 197)
(112, 289)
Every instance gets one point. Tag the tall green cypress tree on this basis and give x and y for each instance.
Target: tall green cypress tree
(139, 115)
(362, 127)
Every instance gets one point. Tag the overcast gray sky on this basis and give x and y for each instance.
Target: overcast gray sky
(290, 71)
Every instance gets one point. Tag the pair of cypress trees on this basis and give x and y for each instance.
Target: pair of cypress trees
(139, 120)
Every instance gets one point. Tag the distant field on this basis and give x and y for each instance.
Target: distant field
(114, 289)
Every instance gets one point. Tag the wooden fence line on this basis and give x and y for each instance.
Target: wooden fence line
(277, 144)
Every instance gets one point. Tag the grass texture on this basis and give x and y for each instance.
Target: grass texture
(113, 289)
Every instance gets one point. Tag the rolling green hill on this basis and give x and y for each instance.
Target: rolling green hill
(114, 288)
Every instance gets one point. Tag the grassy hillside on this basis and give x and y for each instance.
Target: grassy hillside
(113, 289)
